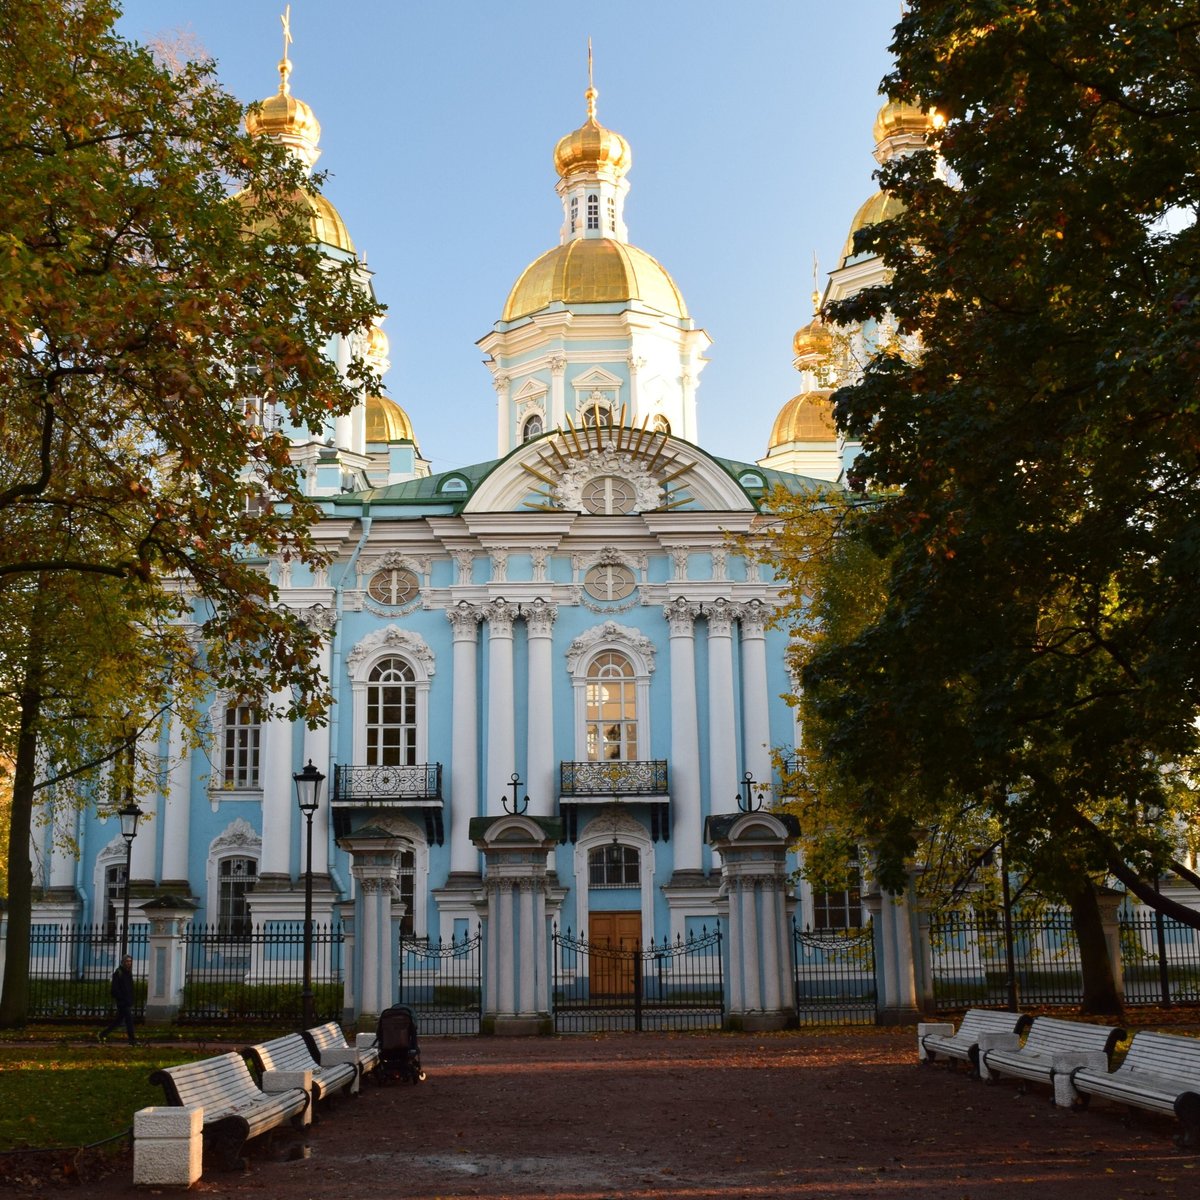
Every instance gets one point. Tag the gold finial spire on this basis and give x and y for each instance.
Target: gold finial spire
(285, 63)
(816, 292)
(591, 92)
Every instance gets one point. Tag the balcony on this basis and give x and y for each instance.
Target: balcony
(384, 789)
(615, 781)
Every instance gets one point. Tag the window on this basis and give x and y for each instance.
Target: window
(235, 877)
(661, 424)
(408, 874)
(841, 909)
(597, 414)
(532, 427)
(612, 215)
(114, 899)
(243, 737)
(593, 211)
(614, 866)
(608, 496)
(395, 586)
(609, 582)
(574, 213)
(611, 704)
(391, 714)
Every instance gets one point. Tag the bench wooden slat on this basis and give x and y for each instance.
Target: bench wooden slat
(963, 1043)
(330, 1037)
(292, 1053)
(1050, 1039)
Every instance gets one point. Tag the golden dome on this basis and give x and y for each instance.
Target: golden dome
(387, 421)
(807, 417)
(282, 115)
(377, 343)
(592, 149)
(897, 117)
(880, 207)
(324, 221)
(813, 339)
(594, 271)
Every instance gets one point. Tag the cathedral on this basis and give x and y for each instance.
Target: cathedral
(573, 635)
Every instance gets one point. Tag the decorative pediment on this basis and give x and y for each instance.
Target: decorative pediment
(238, 835)
(610, 633)
(392, 637)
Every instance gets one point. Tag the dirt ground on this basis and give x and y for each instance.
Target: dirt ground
(847, 1114)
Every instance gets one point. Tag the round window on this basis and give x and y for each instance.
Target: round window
(609, 582)
(608, 495)
(395, 586)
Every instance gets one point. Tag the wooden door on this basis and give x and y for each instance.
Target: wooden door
(614, 938)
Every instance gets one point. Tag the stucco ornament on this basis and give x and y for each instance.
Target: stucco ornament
(237, 835)
(611, 632)
(392, 637)
(568, 491)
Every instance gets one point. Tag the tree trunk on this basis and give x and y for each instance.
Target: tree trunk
(14, 1005)
(1100, 995)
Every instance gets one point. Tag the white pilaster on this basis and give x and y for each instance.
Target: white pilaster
(558, 393)
(756, 723)
(144, 861)
(177, 809)
(539, 751)
(277, 804)
(722, 731)
(685, 739)
(528, 991)
(464, 619)
(316, 741)
(501, 755)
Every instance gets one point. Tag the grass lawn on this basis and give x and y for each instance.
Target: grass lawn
(66, 1090)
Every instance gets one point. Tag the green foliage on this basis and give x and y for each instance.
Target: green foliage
(256, 1001)
(1037, 650)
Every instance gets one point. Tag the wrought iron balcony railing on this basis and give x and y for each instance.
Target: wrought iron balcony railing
(613, 777)
(418, 785)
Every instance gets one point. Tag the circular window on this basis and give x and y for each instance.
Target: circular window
(609, 582)
(608, 495)
(395, 586)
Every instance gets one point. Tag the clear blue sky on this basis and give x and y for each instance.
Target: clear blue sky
(750, 125)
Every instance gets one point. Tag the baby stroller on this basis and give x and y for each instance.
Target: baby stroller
(399, 1051)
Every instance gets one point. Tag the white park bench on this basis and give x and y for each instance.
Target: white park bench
(1160, 1072)
(1051, 1050)
(940, 1037)
(327, 1044)
(291, 1053)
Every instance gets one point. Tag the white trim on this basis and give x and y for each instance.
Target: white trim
(600, 831)
(237, 840)
(583, 651)
(390, 642)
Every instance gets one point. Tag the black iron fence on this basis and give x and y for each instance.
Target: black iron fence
(972, 953)
(442, 982)
(259, 976)
(834, 974)
(71, 969)
(663, 985)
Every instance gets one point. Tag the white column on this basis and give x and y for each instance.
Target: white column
(502, 746)
(62, 858)
(541, 949)
(277, 805)
(368, 942)
(722, 731)
(539, 753)
(177, 809)
(464, 619)
(686, 824)
(503, 423)
(756, 722)
(316, 741)
(528, 972)
(507, 943)
(750, 945)
(343, 426)
(144, 862)
(492, 983)
(737, 958)
(772, 999)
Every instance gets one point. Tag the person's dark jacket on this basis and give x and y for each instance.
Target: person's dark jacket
(122, 987)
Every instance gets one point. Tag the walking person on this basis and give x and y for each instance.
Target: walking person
(122, 994)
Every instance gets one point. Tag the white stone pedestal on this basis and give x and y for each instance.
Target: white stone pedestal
(168, 1147)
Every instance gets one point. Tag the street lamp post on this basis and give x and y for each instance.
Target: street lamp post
(129, 822)
(308, 797)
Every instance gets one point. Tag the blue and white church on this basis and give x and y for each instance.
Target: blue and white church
(552, 672)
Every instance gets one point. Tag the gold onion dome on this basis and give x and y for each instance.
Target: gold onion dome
(897, 117)
(812, 340)
(324, 221)
(282, 115)
(807, 417)
(880, 207)
(377, 343)
(594, 271)
(592, 149)
(387, 421)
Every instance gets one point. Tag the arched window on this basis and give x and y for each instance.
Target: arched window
(597, 414)
(661, 424)
(609, 581)
(114, 895)
(593, 211)
(391, 714)
(574, 213)
(614, 866)
(235, 877)
(611, 700)
(612, 215)
(242, 741)
(407, 885)
(532, 427)
(608, 495)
